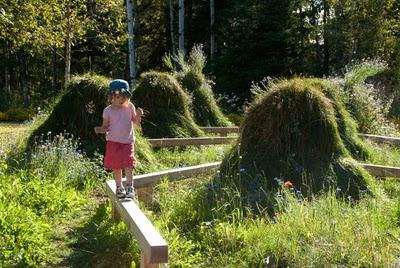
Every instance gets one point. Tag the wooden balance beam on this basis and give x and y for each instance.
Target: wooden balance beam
(154, 249)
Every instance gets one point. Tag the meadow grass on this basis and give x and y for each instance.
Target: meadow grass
(60, 217)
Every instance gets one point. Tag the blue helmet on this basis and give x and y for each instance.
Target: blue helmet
(119, 86)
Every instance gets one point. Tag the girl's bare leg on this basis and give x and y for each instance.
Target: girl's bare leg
(129, 176)
(117, 176)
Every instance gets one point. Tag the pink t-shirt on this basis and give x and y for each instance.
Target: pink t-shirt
(120, 126)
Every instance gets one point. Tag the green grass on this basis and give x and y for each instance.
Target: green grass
(322, 232)
(9, 132)
(60, 217)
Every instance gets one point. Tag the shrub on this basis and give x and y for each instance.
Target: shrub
(25, 237)
(16, 114)
(362, 99)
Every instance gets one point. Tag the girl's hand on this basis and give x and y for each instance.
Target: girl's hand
(139, 111)
(99, 130)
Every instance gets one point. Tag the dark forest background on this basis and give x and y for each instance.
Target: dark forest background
(253, 40)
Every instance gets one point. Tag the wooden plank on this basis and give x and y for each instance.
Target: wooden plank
(152, 245)
(382, 171)
(221, 130)
(150, 179)
(381, 139)
(175, 174)
(167, 142)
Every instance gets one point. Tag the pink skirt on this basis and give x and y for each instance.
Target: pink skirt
(119, 155)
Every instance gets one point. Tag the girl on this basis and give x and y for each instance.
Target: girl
(119, 119)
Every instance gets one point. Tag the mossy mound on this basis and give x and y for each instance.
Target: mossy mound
(291, 134)
(205, 108)
(166, 105)
(78, 111)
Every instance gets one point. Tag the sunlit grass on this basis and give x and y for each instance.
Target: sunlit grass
(384, 154)
(9, 133)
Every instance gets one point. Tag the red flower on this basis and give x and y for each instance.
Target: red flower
(288, 184)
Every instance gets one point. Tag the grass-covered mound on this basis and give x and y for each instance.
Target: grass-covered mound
(347, 126)
(291, 134)
(78, 111)
(166, 105)
(190, 75)
(205, 108)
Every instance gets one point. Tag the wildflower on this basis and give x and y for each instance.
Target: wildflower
(288, 184)
(279, 181)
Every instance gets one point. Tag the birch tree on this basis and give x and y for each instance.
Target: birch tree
(212, 35)
(181, 26)
(171, 23)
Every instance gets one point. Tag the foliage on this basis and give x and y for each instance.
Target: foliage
(25, 236)
(301, 233)
(361, 99)
(16, 115)
(203, 222)
(166, 105)
(46, 192)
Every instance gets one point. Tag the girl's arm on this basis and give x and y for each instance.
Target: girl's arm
(103, 129)
(136, 115)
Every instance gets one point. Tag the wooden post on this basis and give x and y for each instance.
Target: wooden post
(145, 263)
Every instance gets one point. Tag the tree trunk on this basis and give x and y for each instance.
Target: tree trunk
(325, 18)
(24, 78)
(54, 69)
(131, 43)
(314, 22)
(171, 24)
(212, 36)
(7, 88)
(181, 26)
(67, 56)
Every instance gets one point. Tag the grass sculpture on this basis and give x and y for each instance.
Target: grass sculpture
(166, 105)
(205, 108)
(291, 133)
(78, 111)
(190, 75)
(347, 126)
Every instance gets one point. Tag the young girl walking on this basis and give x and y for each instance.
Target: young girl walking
(119, 119)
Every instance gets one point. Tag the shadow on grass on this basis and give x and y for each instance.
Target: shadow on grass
(101, 242)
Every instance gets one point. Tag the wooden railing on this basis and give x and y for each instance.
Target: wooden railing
(381, 139)
(168, 142)
(223, 131)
